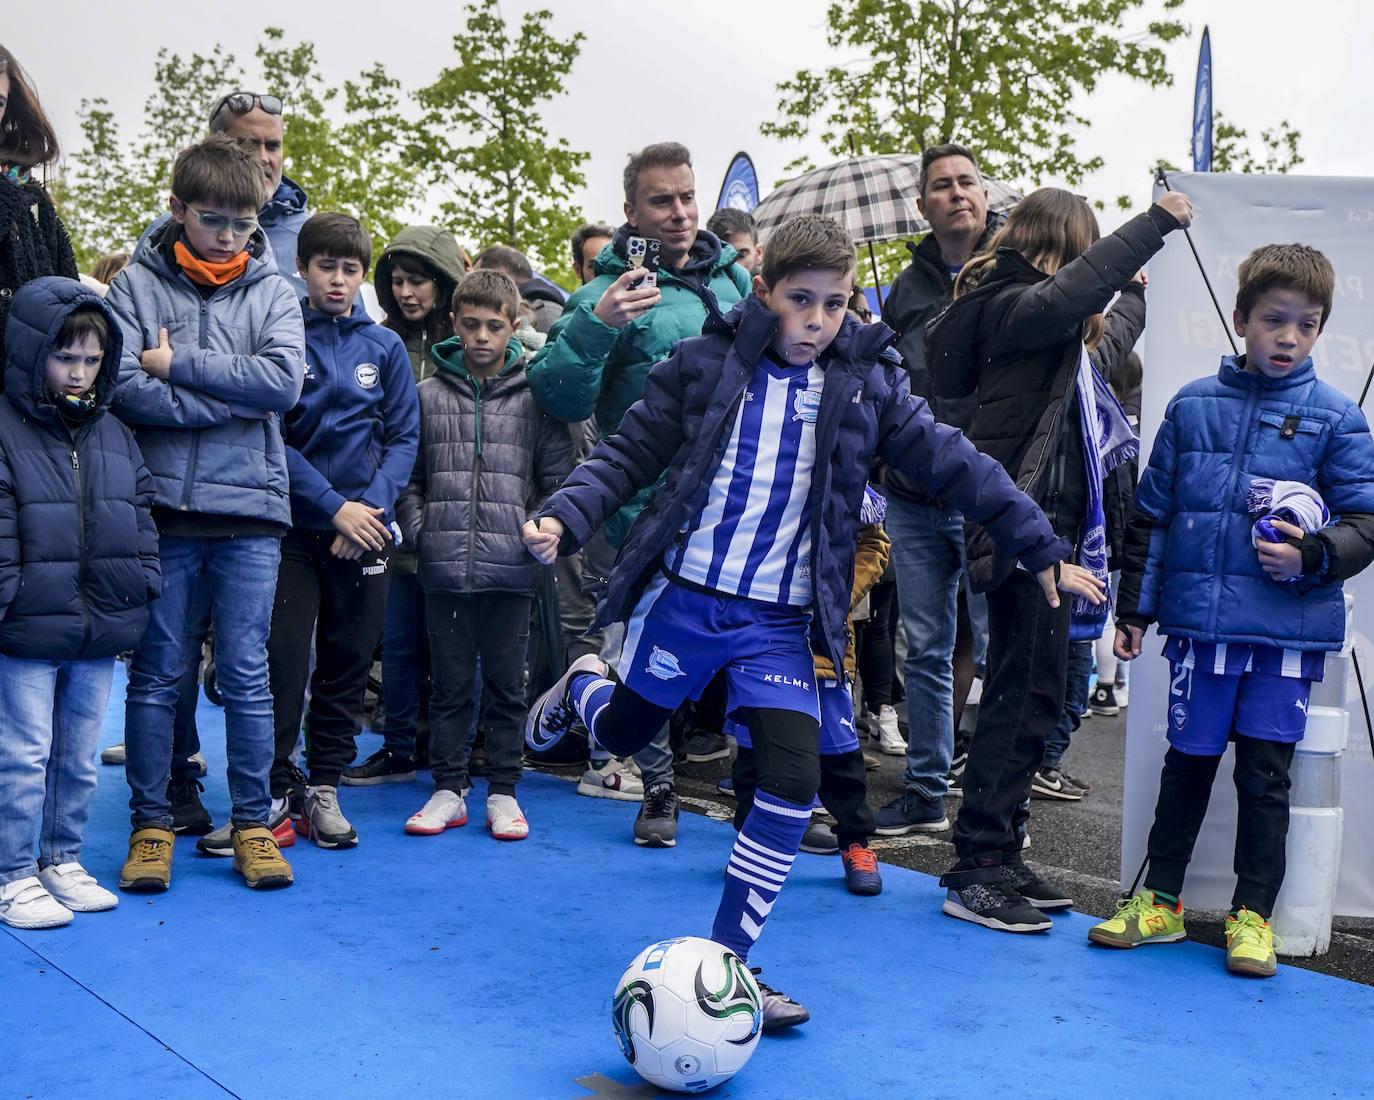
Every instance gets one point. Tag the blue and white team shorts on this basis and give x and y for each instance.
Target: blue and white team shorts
(838, 734)
(677, 639)
(1204, 708)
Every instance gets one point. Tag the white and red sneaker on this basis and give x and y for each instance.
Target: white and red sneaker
(444, 810)
(505, 818)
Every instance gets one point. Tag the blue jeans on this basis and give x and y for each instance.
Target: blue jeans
(240, 575)
(50, 714)
(928, 557)
(1075, 703)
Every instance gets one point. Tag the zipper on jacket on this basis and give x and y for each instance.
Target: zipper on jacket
(476, 478)
(81, 545)
(1244, 428)
(188, 479)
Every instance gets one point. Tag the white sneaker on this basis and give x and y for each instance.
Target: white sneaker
(889, 736)
(505, 819)
(24, 903)
(75, 887)
(113, 754)
(975, 692)
(612, 780)
(444, 810)
(198, 759)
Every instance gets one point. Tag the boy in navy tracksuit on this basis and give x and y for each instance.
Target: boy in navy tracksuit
(1249, 608)
(763, 430)
(350, 445)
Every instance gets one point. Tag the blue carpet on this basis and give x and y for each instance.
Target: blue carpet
(465, 967)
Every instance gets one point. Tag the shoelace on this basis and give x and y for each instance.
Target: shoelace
(259, 847)
(768, 990)
(1250, 928)
(861, 858)
(657, 801)
(559, 718)
(149, 850)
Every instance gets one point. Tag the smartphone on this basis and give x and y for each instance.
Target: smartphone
(643, 253)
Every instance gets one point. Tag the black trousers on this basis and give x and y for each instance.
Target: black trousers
(876, 661)
(843, 792)
(465, 628)
(342, 606)
(1262, 784)
(1023, 697)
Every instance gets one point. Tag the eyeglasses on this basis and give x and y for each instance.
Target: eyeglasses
(864, 315)
(215, 223)
(242, 102)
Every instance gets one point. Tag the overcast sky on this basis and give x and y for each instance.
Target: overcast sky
(705, 73)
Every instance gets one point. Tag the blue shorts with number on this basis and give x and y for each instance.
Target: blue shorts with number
(837, 722)
(1206, 708)
(678, 638)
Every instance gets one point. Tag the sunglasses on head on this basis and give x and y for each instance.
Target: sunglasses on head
(242, 102)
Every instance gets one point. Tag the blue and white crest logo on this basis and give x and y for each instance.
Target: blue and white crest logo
(1178, 715)
(806, 406)
(664, 665)
(367, 375)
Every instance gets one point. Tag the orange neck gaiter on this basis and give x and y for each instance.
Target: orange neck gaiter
(205, 272)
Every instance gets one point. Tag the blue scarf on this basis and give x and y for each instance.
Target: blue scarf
(1291, 501)
(1107, 442)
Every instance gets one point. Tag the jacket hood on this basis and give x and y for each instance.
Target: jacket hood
(36, 316)
(705, 258)
(436, 247)
(950, 335)
(288, 199)
(754, 325)
(541, 289)
(448, 357)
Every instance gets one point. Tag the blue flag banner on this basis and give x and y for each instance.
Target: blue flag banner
(1202, 107)
(741, 187)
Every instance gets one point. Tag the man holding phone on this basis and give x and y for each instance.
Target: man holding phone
(613, 330)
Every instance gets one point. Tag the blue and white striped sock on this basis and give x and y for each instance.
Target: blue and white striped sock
(763, 854)
(589, 694)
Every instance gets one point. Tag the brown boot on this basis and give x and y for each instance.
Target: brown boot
(149, 866)
(257, 858)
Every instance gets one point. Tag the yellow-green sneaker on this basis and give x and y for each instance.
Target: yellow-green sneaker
(1140, 920)
(1250, 945)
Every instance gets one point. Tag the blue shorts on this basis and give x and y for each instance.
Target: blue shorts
(677, 639)
(1206, 708)
(837, 722)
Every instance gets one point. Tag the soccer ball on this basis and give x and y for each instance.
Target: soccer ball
(687, 1013)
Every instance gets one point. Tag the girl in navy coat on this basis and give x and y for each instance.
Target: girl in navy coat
(78, 567)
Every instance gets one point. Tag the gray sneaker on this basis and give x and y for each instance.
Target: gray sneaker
(113, 754)
(656, 825)
(779, 1010)
(820, 840)
(910, 813)
(324, 821)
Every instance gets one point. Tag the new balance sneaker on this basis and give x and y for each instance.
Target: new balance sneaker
(982, 897)
(113, 754)
(1032, 887)
(656, 825)
(553, 713)
(444, 810)
(505, 819)
(324, 821)
(613, 779)
(383, 766)
(1103, 701)
(189, 816)
(1052, 783)
(861, 871)
(149, 866)
(258, 860)
(1140, 920)
(707, 746)
(26, 903)
(1250, 945)
(820, 840)
(890, 740)
(910, 812)
(75, 887)
(778, 1009)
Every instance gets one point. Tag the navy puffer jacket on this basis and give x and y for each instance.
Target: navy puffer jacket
(78, 549)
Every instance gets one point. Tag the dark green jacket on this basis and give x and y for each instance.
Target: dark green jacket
(439, 250)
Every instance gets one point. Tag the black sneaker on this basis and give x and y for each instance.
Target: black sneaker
(982, 897)
(383, 766)
(778, 1009)
(1103, 701)
(1053, 783)
(954, 785)
(189, 817)
(909, 812)
(707, 746)
(656, 825)
(1032, 887)
(1074, 781)
(820, 840)
(295, 793)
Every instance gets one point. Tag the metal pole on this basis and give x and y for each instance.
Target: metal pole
(877, 283)
(1162, 178)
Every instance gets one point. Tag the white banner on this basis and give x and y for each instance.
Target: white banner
(1185, 339)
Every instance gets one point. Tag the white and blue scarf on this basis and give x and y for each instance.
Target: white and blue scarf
(1108, 441)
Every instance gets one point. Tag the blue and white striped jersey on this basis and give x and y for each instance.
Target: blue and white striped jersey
(1237, 658)
(752, 537)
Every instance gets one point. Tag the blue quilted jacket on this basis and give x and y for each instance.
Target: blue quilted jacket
(681, 427)
(1202, 578)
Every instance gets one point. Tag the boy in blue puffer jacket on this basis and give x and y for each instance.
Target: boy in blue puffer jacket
(1247, 622)
(764, 430)
(350, 445)
(78, 567)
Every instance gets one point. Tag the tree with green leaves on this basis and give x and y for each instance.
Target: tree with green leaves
(483, 141)
(1233, 151)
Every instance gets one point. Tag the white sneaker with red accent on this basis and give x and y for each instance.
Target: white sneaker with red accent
(444, 810)
(505, 819)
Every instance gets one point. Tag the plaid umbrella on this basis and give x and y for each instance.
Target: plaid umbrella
(873, 197)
